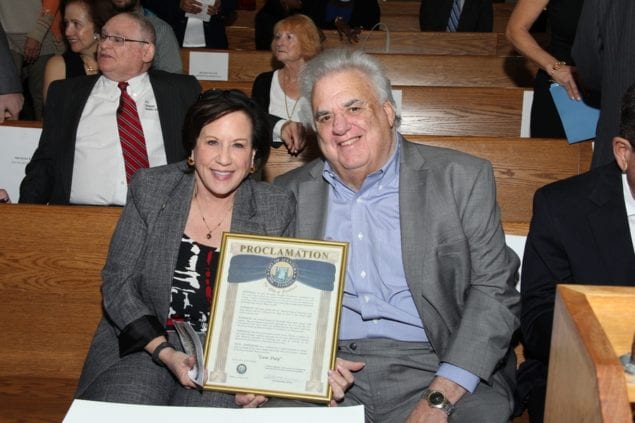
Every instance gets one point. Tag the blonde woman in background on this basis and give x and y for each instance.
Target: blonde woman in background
(296, 40)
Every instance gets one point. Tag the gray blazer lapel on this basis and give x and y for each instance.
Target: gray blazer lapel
(244, 210)
(412, 204)
(312, 203)
(169, 225)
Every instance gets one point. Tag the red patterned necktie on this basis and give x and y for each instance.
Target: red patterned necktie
(133, 144)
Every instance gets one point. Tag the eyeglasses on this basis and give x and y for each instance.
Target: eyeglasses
(118, 40)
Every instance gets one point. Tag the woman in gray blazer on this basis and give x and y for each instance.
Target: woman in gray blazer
(163, 254)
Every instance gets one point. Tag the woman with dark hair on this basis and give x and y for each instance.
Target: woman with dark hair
(296, 40)
(82, 22)
(164, 252)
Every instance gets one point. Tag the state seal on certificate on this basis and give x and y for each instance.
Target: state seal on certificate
(275, 316)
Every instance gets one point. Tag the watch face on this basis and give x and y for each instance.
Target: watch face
(436, 398)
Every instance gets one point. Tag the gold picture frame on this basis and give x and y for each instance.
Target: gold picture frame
(275, 316)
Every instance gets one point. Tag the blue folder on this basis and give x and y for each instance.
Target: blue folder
(578, 119)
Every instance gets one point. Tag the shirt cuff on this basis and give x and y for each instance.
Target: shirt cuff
(462, 377)
(136, 335)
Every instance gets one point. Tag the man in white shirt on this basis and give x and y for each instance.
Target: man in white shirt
(79, 159)
(583, 232)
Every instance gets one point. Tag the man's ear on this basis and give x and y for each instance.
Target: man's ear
(622, 150)
(148, 53)
(391, 114)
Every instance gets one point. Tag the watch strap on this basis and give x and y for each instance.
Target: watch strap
(155, 354)
(437, 399)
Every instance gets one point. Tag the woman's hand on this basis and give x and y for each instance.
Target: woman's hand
(293, 135)
(564, 75)
(250, 400)
(341, 378)
(179, 364)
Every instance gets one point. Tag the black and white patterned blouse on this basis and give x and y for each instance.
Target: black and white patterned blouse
(192, 284)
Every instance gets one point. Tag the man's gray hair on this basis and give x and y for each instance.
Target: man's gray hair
(341, 59)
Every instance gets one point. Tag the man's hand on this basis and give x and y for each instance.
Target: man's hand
(422, 412)
(190, 6)
(31, 50)
(10, 106)
(250, 400)
(341, 378)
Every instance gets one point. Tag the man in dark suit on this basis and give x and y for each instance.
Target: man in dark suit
(79, 158)
(603, 54)
(476, 15)
(430, 303)
(582, 231)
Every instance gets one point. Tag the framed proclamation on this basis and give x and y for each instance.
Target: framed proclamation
(275, 316)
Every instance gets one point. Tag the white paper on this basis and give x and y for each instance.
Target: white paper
(202, 15)
(525, 120)
(82, 411)
(209, 66)
(194, 33)
(16, 148)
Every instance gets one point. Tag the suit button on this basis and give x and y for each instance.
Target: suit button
(353, 346)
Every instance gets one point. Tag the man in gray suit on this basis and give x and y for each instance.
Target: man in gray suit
(79, 158)
(11, 98)
(430, 304)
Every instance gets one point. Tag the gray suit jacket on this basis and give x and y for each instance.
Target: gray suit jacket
(458, 268)
(138, 274)
(49, 174)
(9, 79)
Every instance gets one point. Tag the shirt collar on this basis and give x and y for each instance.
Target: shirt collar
(136, 86)
(629, 201)
(388, 172)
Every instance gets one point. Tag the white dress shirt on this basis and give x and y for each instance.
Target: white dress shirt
(99, 175)
(629, 201)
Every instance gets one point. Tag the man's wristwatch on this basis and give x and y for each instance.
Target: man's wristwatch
(436, 399)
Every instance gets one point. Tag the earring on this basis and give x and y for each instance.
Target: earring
(190, 161)
(252, 169)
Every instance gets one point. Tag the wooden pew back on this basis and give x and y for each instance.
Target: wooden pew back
(448, 111)
(406, 69)
(50, 275)
(405, 42)
(521, 165)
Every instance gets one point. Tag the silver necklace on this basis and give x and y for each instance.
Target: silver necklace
(209, 231)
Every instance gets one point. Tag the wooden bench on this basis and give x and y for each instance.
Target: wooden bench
(408, 42)
(451, 111)
(405, 69)
(51, 259)
(405, 42)
(521, 165)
